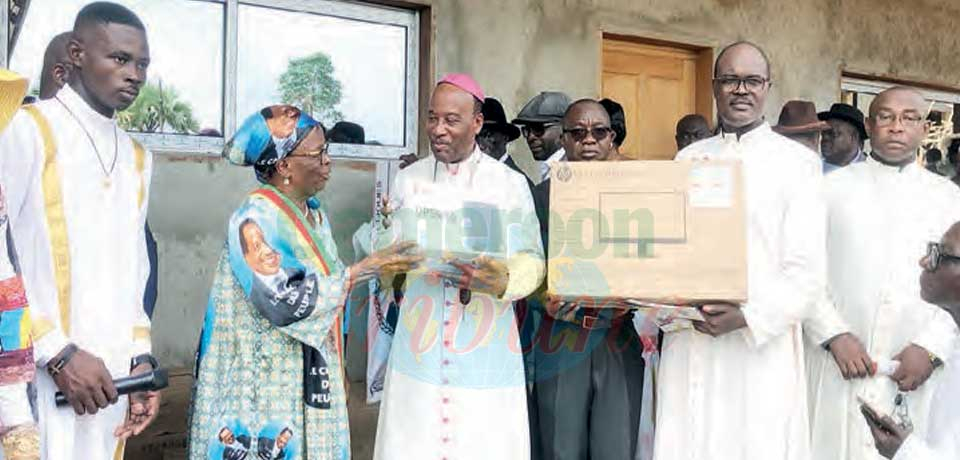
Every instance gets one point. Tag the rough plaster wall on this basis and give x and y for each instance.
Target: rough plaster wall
(517, 48)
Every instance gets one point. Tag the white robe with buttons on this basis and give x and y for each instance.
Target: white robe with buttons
(455, 385)
(742, 396)
(108, 259)
(880, 219)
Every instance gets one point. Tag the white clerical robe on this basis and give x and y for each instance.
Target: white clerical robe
(880, 219)
(92, 294)
(942, 441)
(455, 385)
(742, 396)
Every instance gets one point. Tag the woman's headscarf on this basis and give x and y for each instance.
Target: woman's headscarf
(268, 136)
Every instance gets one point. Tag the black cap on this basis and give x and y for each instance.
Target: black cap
(546, 107)
(847, 113)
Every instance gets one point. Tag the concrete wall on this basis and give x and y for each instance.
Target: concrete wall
(517, 48)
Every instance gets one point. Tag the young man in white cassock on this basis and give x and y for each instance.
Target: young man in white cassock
(77, 189)
(733, 387)
(881, 214)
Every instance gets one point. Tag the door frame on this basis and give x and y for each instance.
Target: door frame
(705, 49)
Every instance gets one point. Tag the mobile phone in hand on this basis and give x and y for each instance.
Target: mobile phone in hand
(873, 415)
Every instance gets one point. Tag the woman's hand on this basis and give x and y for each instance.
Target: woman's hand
(397, 258)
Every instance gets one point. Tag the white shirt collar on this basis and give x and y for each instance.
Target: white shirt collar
(79, 107)
(830, 167)
(881, 168)
(559, 155)
(467, 166)
(757, 133)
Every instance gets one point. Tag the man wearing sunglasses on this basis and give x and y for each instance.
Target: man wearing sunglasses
(881, 214)
(539, 122)
(587, 399)
(939, 285)
(732, 387)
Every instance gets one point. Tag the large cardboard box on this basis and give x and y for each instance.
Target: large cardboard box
(672, 232)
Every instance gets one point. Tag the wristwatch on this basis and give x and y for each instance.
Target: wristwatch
(144, 358)
(55, 367)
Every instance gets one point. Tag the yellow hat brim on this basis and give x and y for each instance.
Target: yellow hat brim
(13, 88)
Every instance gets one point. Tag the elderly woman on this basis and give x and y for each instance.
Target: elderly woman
(270, 383)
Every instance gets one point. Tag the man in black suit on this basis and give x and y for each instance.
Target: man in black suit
(274, 449)
(235, 447)
(587, 400)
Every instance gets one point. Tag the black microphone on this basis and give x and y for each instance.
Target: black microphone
(150, 381)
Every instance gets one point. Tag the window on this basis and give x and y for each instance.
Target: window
(334, 68)
(222, 60)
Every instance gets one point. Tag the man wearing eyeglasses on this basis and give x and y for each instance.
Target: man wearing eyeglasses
(732, 387)
(881, 214)
(539, 122)
(587, 395)
(939, 285)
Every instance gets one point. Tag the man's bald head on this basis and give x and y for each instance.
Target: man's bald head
(57, 48)
(904, 92)
(951, 240)
(56, 66)
(940, 280)
(897, 125)
(575, 111)
(742, 44)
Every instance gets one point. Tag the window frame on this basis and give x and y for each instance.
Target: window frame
(942, 100)
(205, 146)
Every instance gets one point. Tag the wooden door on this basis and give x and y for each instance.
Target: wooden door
(657, 85)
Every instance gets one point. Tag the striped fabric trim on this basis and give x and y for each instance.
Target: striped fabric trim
(140, 155)
(295, 218)
(56, 219)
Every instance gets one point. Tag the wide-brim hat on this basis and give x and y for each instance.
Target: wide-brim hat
(495, 119)
(799, 117)
(13, 88)
(847, 113)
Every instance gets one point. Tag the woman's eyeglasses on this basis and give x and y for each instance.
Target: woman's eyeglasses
(322, 154)
(599, 133)
(936, 255)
